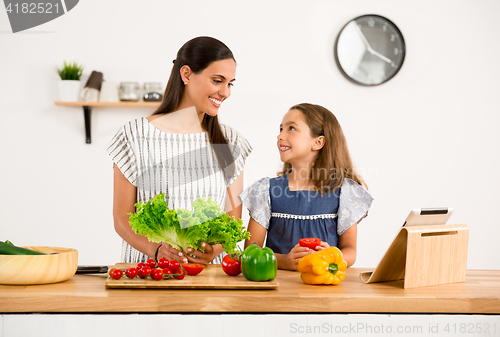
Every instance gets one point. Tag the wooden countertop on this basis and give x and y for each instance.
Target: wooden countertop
(87, 293)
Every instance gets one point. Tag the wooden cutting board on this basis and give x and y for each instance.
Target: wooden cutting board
(212, 277)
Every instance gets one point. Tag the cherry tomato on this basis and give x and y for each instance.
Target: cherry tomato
(193, 268)
(231, 264)
(117, 274)
(131, 272)
(167, 272)
(310, 242)
(182, 274)
(151, 263)
(163, 263)
(111, 272)
(144, 271)
(140, 265)
(157, 274)
(174, 265)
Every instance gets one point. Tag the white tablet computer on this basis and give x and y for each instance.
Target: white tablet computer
(428, 216)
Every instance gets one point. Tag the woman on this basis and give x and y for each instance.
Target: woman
(181, 150)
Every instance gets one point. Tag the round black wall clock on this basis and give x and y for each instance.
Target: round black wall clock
(370, 50)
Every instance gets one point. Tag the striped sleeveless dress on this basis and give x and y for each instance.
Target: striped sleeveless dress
(183, 166)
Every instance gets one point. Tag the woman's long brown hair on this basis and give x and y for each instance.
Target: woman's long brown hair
(198, 54)
(333, 163)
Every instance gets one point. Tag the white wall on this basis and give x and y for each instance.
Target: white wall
(426, 138)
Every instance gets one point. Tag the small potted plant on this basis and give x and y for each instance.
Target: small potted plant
(69, 85)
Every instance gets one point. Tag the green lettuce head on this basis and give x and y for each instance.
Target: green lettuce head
(182, 228)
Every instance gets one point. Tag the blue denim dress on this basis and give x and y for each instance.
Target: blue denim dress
(290, 216)
(300, 214)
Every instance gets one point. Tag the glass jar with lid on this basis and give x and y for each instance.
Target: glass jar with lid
(129, 91)
(152, 92)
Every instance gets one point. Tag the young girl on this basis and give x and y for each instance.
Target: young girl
(317, 194)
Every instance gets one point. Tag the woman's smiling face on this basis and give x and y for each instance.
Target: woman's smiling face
(209, 88)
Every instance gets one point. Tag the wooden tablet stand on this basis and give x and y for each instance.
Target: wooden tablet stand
(423, 256)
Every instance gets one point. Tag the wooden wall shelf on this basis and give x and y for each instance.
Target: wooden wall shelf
(88, 105)
(116, 104)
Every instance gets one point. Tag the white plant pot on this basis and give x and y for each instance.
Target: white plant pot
(69, 91)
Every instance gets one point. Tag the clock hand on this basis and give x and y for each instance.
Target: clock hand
(363, 38)
(373, 52)
(368, 47)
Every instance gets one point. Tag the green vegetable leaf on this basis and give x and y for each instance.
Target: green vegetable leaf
(182, 228)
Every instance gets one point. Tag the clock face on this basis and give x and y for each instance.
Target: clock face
(370, 50)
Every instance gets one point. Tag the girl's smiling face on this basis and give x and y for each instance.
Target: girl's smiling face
(209, 88)
(296, 145)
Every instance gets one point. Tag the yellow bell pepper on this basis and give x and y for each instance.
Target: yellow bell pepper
(325, 266)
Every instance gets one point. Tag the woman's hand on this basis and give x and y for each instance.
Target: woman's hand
(171, 253)
(201, 257)
(292, 258)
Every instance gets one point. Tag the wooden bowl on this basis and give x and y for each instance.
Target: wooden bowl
(39, 269)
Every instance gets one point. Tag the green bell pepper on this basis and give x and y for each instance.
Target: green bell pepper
(259, 264)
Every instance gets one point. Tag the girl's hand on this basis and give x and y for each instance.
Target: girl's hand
(171, 253)
(201, 257)
(323, 245)
(295, 255)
